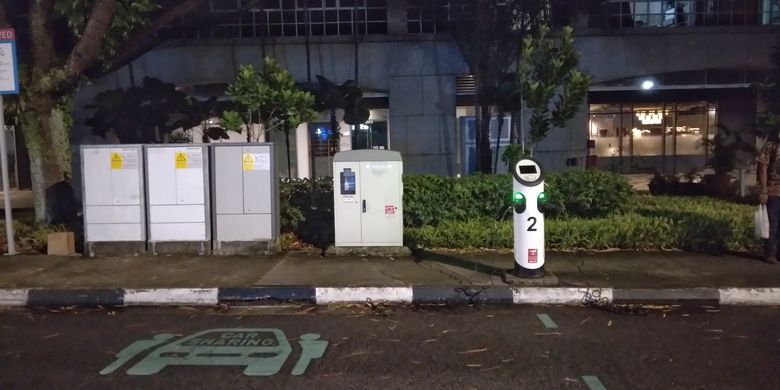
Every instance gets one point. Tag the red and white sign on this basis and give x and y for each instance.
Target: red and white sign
(7, 34)
(389, 209)
(533, 256)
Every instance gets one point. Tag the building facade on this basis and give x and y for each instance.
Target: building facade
(665, 75)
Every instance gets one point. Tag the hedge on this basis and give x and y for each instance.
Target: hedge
(701, 224)
(430, 200)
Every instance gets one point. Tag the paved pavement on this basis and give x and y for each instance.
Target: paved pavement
(612, 269)
(404, 348)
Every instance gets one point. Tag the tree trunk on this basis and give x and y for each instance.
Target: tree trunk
(483, 141)
(498, 139)
(47, 138)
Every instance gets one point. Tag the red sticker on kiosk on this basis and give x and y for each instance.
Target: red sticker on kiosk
(532, 255)
(389, 210)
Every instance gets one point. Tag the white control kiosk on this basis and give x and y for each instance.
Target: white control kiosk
(367, 196)
(528, 197)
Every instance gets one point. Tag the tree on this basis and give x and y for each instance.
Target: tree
(548, 75)
(489, 34)
(347, 96)
(270, 98)
(769, 93)
(61, 43)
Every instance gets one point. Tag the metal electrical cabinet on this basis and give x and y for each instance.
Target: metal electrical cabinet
(368, 192)
(113, 198)
(178, 199)
(246, 198)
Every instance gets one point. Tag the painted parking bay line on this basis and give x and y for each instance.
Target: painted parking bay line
(547, 321)
(593, 382)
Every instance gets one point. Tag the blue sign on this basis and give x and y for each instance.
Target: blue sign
(9, 69)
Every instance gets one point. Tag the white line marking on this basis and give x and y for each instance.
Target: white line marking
(750, 296)
(327, 295)
(171, 296)
(13, 297)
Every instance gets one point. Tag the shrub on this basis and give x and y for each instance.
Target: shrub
(704, 223)
(630, 231)
(587, 194)
(306, 208)
(699, 224)
(433, 199)
(30, 237)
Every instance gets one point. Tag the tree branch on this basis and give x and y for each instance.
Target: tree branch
(4, 22)
(144, 40)
(87, 48)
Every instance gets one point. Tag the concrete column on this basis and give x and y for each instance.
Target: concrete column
(302, 151)
(396, 17)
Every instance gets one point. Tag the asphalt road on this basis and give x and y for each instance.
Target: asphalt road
(403, 348)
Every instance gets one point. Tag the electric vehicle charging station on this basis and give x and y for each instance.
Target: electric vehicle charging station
(528, 196)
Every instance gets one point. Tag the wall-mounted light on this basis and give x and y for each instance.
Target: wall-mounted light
(648, 84)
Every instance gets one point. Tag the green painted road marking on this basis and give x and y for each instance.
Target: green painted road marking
(134, 349)
(593, 382)
(263, 351)
(311, 348)
(547, 321)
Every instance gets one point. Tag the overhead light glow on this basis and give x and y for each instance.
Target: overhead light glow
(648, 84)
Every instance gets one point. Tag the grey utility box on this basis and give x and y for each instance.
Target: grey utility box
(113, 199)
(177, 177)
(246, 199)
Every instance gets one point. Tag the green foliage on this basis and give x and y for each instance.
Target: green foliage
(587, 194)
(724, 149)
(306, 208)
(547, 72)
(30, 237)
(430, 200)
(514, 153)
(270, 97)
(347, 96)
(703, 223)
(698, 224)
(138, 114)
(128, 16)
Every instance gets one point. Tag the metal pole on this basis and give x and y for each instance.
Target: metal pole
(9, 225)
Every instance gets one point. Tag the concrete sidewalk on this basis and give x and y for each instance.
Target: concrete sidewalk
(628, 277)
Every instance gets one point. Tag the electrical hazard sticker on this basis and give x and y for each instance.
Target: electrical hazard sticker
(116, 160)
(248, 162)
(389, 210)
(182, 160)
(533, 256)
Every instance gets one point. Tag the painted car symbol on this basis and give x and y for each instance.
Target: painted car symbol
(262, 350)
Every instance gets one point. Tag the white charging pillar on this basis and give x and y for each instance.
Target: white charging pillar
(528, 223)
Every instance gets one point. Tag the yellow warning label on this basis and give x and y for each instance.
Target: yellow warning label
(182, 161)
(249, 162)
(116, 161)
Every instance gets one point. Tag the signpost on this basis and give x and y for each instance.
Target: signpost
(9, 85)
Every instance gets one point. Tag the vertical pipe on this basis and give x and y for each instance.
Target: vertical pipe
(9, 225)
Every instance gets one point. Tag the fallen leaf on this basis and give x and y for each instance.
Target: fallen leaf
(474, 365)
(714, 330)
(491, 368)
(609, 323)
(571, 380)
(584, 321)
(472, 351)
(50, 336)
(429, 341)
(507, 360)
